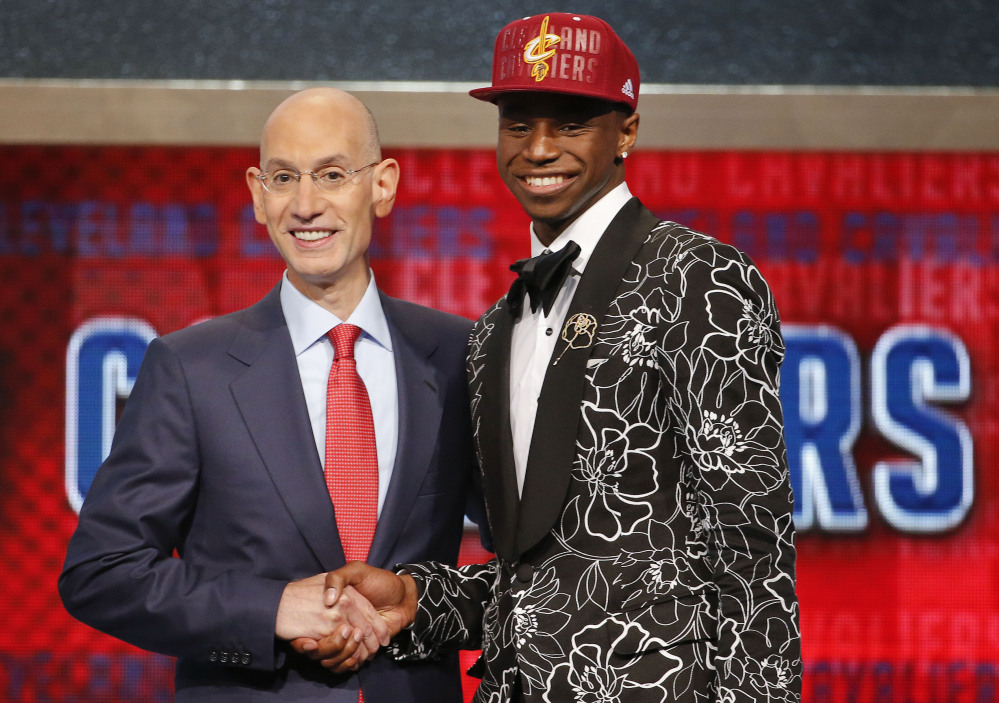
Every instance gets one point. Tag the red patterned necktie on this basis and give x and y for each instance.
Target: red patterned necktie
(351, 466)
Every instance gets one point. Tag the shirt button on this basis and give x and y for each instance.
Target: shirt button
(524, 573)
(549, 331)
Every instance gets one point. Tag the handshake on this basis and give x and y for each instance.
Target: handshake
(343, 617)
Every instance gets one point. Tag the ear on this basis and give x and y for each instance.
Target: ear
(628, 134)
(383, 186)
(257, 191)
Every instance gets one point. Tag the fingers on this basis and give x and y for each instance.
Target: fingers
(304, 645)
(334, 587)
(352, 656)
(342, 651)
(363, 615)
(345, 638)
(344, 635)
(301, 613)
(393, 596)
(350, 575)
(342, 629)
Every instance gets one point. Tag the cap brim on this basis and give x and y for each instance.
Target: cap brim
(490, 93)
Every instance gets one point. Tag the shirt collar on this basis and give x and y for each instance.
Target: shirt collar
(308, 322)
(587, 229)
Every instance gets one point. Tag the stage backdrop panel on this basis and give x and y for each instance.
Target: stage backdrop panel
(884, 267)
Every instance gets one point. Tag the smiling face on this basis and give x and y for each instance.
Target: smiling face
(559, 154)
(324, 236)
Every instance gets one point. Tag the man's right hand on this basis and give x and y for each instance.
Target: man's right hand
(393, 596)
(351, 626)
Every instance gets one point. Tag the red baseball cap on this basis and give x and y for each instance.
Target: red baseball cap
(565, 53)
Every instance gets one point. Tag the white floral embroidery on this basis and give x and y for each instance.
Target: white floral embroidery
(719, 435)
(670, 571)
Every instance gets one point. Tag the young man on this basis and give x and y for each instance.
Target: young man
(327, 422)
(627, 422)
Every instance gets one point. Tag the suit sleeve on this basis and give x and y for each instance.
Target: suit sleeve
(728, 416)
(451, 608)
(121, 575)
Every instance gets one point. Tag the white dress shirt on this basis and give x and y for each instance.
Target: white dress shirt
(308, 323)
(535, 334)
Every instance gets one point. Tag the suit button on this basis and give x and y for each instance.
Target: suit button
(213, 656)
(245, 659)
(224, 658)
(524, 573)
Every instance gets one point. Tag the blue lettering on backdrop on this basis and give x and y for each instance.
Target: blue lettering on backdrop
(853, 223)
(464, 232)
(172, 230)
(943, 237)
(902, 681)
(83, 677)
(102, 362)
(820, 392)
(31, 228)
(777, 236)
(191, 230)
(886, 234)
(911, 366)
(143, 230)
(440, 231)
(412, 232)
(254, 242)
(92, 229)
(96, 236)
(61, 226)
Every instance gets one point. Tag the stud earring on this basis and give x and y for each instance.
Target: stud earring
(624, 154)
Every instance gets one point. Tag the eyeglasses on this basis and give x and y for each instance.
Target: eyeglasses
(284, 181)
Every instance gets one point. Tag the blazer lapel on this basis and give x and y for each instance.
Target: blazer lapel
(270, 398)
(420, 391)
(553, 443)
(491, 399)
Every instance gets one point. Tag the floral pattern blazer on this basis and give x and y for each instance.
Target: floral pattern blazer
(650, 556)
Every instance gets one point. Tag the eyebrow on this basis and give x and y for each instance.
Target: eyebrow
(332, 160)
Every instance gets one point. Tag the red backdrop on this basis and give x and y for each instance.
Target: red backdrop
(870, 248)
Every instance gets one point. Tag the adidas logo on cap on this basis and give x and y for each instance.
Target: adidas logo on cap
(628, 90)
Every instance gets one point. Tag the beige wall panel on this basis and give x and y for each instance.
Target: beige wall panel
(442, 114)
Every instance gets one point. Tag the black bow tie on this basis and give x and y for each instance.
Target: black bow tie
(541, 277)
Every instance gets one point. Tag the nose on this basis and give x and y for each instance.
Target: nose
(541, 146)
(307, 202)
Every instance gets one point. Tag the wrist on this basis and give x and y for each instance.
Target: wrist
(411, 597)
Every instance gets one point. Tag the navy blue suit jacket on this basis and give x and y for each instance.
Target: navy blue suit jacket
(214, 457)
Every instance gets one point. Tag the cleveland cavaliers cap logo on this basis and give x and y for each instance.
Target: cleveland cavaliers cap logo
(539, 50)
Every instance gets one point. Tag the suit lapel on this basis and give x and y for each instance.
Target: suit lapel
(553, 444)
(270, 399)
(491, 395)
(421, 391)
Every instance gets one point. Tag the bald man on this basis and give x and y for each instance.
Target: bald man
(227, 455)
